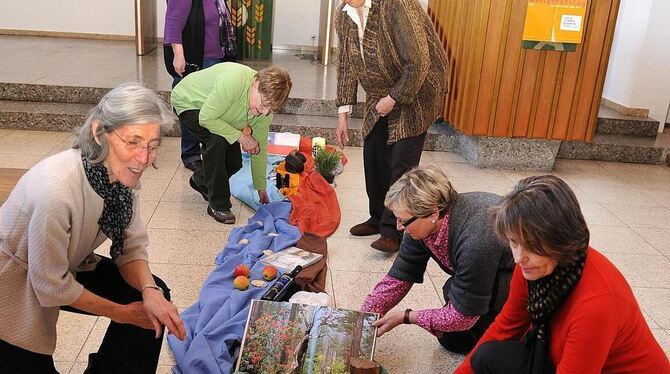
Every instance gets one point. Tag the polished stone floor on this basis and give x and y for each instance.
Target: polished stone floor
(627, 207)
(96, 63)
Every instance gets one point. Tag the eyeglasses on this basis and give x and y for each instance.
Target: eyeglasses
(408, 222)
(136, 146)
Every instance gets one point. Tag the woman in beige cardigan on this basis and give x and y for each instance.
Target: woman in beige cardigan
(60, 211)
(390, 47)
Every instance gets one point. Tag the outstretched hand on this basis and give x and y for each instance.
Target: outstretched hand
(163, 313)
(388, 322)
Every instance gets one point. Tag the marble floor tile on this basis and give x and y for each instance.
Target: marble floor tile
(642, 270)
(153, 189)
(357, 255)
(619, 239)
(73, 329)
(596, 214)
(659, 238)
(656, 303)
(184, 281)
(663, 339)
(634, 216)
(352, 199)
(36, 143)
(17, 161)
(348, 219)
(168, 246)
(185, 216)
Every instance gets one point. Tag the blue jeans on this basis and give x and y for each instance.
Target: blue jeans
(190, 147)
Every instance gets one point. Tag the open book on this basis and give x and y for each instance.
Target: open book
(291, 257)
(282, 143)
(298, 338)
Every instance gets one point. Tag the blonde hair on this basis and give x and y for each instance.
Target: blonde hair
(274, 83)
(421, 191)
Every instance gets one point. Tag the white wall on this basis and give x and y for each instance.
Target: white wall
(638, 75)
(295, 21)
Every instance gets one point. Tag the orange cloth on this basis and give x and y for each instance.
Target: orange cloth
(315, 206)
(293, 181)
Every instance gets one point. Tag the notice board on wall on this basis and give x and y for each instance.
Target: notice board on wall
(555, 21)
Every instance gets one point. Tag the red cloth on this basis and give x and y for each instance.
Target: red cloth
(599, 327)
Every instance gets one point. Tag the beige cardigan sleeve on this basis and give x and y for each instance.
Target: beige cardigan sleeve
(48, 242)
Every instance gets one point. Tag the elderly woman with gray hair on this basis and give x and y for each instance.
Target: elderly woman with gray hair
(60, 211)
(454, 230)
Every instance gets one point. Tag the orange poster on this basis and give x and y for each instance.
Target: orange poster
(555, 21)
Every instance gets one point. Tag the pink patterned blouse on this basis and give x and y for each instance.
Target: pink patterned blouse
(390, 291)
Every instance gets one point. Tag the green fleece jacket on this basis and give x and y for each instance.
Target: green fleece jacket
(221, 94)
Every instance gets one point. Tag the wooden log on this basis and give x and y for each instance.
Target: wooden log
(362, 365)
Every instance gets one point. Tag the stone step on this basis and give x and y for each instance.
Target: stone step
(92, 95)
(620, 148)
(611, 122)
(53, 116)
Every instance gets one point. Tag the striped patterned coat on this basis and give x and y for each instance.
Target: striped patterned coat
(403, 57)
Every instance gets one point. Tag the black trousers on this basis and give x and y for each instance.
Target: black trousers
(503, 357)
(462, 342)
(220, 161)
(384, 164)
(124, 349)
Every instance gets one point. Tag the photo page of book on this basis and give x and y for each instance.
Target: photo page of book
(297, 338)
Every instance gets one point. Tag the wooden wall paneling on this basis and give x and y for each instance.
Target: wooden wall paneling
(566, 94)
(456, 34)
(591, 66)
(475, 84)
(473, 61)
(526, 94)
(546, 95)
(513, 55)
(499, 71)
(490, 66)
(605, 56)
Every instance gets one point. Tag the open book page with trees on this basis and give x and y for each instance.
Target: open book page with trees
(305, 339)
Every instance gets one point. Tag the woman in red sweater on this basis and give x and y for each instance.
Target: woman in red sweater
(569, 309)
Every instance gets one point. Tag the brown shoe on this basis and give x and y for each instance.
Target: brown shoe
(364, 229)
(386, 245)
(222, 216)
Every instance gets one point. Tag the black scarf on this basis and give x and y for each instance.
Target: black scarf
(545, 295)
(118, 208)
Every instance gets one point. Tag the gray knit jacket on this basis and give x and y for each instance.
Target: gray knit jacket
(482, 265)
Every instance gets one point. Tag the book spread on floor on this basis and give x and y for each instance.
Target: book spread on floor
(299, 338)
(291, 257)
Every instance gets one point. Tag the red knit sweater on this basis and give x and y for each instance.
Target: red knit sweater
(599, 327)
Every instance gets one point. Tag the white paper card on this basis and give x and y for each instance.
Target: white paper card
(571, 23)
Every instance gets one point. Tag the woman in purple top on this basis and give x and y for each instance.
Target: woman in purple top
(454, 230)
(198, 34)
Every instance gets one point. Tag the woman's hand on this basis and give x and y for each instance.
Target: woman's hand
(341, 134)
(178, 60)
(133, 314)
(249, 144)
(385, 105)
(263, 196)
(389, 321)
(162, 313)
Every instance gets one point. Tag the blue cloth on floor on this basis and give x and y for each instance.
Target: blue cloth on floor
(215, 323)
(242, 186)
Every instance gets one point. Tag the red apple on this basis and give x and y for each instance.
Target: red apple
(241, 270)
(269, 272)
(241, 283)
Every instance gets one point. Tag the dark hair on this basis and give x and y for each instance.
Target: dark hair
(542, 214)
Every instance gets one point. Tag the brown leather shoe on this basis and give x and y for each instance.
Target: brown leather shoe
(364, 229)
(386, 245)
